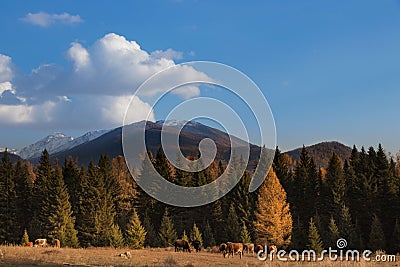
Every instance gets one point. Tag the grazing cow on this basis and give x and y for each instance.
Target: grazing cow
(223, 249)
(41, 242)
(235, 248)
(248, 248)
(179, 243)
(258, 248)
(28, 244)
(57, 243)
(196, 245)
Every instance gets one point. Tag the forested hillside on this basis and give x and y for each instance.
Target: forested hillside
(102, 206)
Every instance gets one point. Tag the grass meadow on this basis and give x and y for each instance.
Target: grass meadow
(26, 256)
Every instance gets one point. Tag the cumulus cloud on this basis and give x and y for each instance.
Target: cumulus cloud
(94, 91)
(44, 19)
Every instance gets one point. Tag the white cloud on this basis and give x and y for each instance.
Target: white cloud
(94, 91)
(44, 19)
(6, 72)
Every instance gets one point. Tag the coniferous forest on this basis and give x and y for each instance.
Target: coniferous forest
(298, 206)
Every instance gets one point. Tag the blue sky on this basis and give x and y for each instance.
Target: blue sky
(329, 69)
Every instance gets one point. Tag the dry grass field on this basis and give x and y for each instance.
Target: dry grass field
(25, 256)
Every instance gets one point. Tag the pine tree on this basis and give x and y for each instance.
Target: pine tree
(245, 235)
(336, 183)
(333, 233)
(314, 239)
(346, 226)
(71, 174)
(60, 224)
(135, 234)
(25, 238)
(376, 236)
(40, 191)
(116, 238)
(395, 239)
(195, 234)
(8, 198)
(233, 225)
(23, 189)
(184, 236)
(273, 224)
(151, 237)
(167, 232)
(209, 240)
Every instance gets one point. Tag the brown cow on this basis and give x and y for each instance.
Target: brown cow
(29, 244)
(272, 248)
(223, 249)
(248, 248)
(184, 244)
(258, 248)
(235, 248)
(56, 243)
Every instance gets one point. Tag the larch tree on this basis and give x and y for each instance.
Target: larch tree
(245, 235)
(333, 233)
(273, 224)
(195, 234)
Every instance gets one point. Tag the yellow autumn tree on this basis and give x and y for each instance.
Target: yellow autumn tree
(273, 220)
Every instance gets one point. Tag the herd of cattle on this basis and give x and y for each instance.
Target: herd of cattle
(42, 242)
(227, 249)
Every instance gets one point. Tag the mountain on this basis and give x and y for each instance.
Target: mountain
(55, 143)
(13, 157)
(190, 136)
(322, 152)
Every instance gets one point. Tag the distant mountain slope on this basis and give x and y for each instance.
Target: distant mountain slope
(55, 143)
(13, 157)
(190, 136)
(322, 152)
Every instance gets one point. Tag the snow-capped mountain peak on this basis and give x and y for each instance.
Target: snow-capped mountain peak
(177, 123)
(57, 142)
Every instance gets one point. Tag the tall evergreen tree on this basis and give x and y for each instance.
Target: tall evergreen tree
(233, 225)
(8, 198)
(167, 234)
(346, 226)
(195, 234)
(209, 240)
(394, 245)
(314, 240)
(273, 224)
(245, 235)
(333, 233)
(135, 234)
(116, 238)
(376, 236)
(336, 183)
(60, 223)
(151, 237)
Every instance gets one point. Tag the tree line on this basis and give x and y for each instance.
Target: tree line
(298, 205)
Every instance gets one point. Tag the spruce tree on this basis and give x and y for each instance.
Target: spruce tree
(167, 232)
(376, 236)
(151, 237)
(333, 233)
(195, 234)
(209, 240)
(314, 239)
(25, 238)
(233, 225)
(8, 198)
(346, 226)
(60, 223)
(116, 238)
(184, 236)
(336, 183)
(135, 234)
(273, 224)
(395, 239)
(245, 235)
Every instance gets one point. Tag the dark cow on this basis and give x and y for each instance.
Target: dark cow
(258, 248)
(184, 244)
(235, 248)
(196, 245)
(223, 249)
(248, 248)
